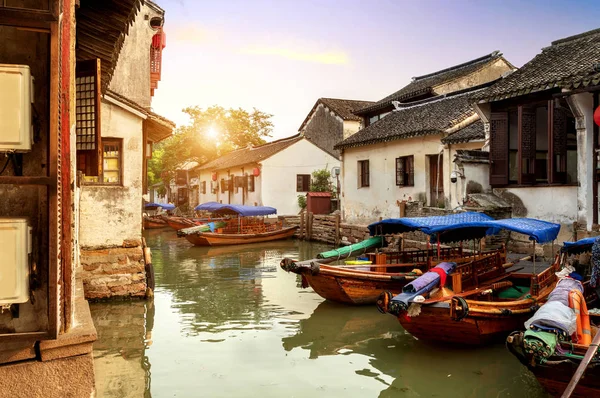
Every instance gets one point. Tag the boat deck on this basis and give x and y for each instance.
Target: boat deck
(527, 266)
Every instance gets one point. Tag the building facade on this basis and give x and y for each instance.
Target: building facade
(407, 150)
(110, 199)
(541, 137)
(273, 174)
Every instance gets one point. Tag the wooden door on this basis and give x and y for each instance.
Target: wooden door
(436, 180)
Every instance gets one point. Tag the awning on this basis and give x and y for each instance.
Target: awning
(246, 211)
(166, 206)
(581, 246)
(537, 230)
(208, 206)
(409, 224)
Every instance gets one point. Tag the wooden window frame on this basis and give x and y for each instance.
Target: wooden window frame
(556, 165)
(405, 171)
(99, 180)
(364, 174)
(302, 181)
(251, 182)
(89, 161)
(203, 187)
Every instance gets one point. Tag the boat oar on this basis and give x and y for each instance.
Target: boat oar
(587, 358)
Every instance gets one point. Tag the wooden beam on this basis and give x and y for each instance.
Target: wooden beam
(53, 212)
(36, 180)
(26, 18)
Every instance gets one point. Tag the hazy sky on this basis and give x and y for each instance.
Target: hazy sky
(280, 56)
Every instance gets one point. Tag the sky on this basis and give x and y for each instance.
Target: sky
(280, 56)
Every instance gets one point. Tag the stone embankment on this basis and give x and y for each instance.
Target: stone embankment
(114, 271)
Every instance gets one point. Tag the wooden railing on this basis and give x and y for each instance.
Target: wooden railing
(470, 275)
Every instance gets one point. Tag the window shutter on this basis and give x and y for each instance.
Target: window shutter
(223, 187)
(400, 170)
(559, 146)
(410, 171)
(499, 149)
(527, 123)
(298, 183)
(367, 181)
(230, 184)
(87, 114)
(203, 187)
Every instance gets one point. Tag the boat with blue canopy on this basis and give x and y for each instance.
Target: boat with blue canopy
(475, 302)
(164, 206)
(359, 284)
(581, 246)
(240, 224)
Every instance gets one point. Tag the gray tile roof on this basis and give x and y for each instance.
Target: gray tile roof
(248, 155)
(473, 131)
(423, 84)
(431, 116)
(344, 108)
(568, 63)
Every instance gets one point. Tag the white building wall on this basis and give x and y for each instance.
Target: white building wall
(381, 198)
(242, 196)
(110, 214)
(351, 127)
(456, 192)
(279, 174)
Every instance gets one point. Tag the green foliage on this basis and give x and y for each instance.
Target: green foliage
(234, 128)
(302, 201)
(320, 181)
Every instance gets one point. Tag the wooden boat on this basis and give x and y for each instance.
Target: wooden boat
(481, 300)
(244, 226)
(360, 285)
(555, 371)
(154, 222)
(178, 223)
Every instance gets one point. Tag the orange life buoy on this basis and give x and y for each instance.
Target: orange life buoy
(577, 303)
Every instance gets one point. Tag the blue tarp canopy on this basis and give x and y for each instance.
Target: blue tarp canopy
(409, 224)
(209, 206)
(537, 230)
(166, 206)
(581, 246)
(246, 211)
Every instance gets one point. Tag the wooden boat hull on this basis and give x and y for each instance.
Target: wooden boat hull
(434, 324)
(555, 374)
(154, 224)
(215, 239)
(349, 289)
(178, 224)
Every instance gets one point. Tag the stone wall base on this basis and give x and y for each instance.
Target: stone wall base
(115, 272)
(60, 378)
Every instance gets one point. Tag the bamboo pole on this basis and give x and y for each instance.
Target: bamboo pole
(587, 358)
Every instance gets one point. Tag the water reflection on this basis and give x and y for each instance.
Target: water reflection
(121, 365)
(231, 323)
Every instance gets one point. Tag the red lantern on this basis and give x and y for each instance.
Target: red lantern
(256, 172)
(159, 40)
(597, 116)
(214, 176)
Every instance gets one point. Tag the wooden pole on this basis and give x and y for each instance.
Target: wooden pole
(302, 225)
(438, 247)
(587, 358)
(337, 229)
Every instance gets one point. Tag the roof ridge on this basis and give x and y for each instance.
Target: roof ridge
(574, 37)
(344, 99)
(452, 94)
(491, 55)
(274, 142)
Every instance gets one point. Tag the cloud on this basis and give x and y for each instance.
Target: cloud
(189, 34)
(332, 58)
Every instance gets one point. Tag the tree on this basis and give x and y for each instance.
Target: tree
(211, 133)
(320, 181)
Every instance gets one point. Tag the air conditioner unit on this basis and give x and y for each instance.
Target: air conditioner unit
(16, 97)
(15, 235)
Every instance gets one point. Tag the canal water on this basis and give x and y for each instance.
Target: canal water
(228, 322)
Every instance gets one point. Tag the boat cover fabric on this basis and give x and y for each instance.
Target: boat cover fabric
(409, 224)
(537, 230)
(422, 284)
(242, 210)
(166, 206)
(246, 211)
(595, 277)
(581, 246)
(208, 206)
(356, 248)
(553, 315)
(562, 290)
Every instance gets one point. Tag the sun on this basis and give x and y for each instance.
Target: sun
(212, 133)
